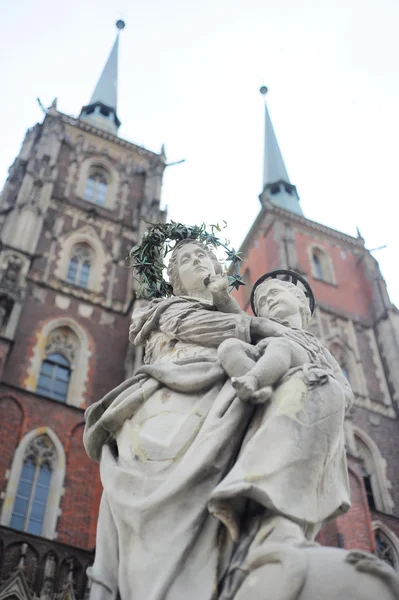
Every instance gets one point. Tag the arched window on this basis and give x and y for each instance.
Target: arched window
(80, 265)
(30, 503)
(317, 266)
(56, 366)
(373, 468)
(368, 486)
(321, 264)
(385, 549)
(96, 185)
(54, 377)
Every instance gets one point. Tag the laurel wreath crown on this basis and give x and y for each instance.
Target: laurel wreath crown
(147, 259)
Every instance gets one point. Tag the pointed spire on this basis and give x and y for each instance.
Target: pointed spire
(276, 183)
(102, 108)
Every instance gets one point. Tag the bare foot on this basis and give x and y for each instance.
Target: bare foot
(263, 395)
(246, 386)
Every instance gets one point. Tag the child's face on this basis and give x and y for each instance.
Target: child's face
(274, 299)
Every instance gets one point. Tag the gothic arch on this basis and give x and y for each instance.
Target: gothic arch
(85, 235)
(321, 264)
(345, 357)
(390, 537)
(79, 366)
(375, 466)
(113, 185)
(56, 483)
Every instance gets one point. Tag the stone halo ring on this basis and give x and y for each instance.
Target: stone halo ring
(291, 276)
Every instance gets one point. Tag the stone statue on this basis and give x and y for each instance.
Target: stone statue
(202, 477)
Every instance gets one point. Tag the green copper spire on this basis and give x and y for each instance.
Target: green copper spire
(276, 183)
(102, 108)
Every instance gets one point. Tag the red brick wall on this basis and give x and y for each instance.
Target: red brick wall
(355, 526)
(22, 412)
(80, 485)
(353, 293)
(263, 256)
(102, 338)
(12, 422)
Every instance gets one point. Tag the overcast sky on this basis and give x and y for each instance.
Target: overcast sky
(189, 77)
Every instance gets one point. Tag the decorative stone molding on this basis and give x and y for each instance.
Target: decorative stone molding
(84, 235)
(63, 341)
(113, 183)
(80, 360)
(326, 264)
(56, 455)
(391, 538)
(378, 368)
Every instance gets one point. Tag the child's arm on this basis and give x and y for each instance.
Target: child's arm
(222, 299)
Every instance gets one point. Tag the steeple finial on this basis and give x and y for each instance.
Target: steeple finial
(276, 183)
(102, 108)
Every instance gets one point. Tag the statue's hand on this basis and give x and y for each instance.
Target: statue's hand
(217, 284)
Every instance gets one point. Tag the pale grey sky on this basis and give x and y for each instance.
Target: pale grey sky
(189, 77)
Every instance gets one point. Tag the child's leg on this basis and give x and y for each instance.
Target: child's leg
(270, 367)
(236, 357)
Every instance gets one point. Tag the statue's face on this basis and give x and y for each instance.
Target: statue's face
(194, 265)
(275, 300)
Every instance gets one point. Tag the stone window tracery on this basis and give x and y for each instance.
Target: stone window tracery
(386, 550)
(80, 265)
(97, 185)
(35, 484)
(56, 368)
(373, 468)
(29, 508)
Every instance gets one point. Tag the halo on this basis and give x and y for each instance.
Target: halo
(294, 278)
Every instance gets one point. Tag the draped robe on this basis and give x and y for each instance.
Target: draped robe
(170, 445)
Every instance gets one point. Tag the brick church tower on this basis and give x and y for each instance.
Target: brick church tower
(70, 210)
(356, 320)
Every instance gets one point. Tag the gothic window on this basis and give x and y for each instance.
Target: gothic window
(318, 269)
(54, 377)
(56, 368)
(321, 264)
(368, 486)
(386, 550)
(96, 185)
(30, 503)
(80, 265)
(373, 468)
